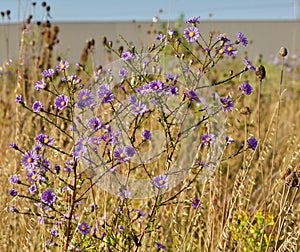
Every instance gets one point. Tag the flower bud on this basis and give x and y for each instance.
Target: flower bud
(283, 51)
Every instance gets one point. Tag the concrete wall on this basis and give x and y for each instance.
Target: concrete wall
(266, 36)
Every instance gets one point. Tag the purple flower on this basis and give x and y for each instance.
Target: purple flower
(39, 85)
(123, 154)
(192, 96)
(229, 140)
(85, 99)
(194, 20)
(48, 197)
(44, 140)
(160, 37)
(84, 228)
(208, 139)
(230, 51)
(227, 104)
(13, 209)
(171, 77)
(242, 39)
(95, 140)
(62, 65)
(223, 37)
(126, 56)
(249, 65)
(13, 192)
(191, 34)
(57, 168)
(32, 189)
(13, 146)
(81, 147)
(138, 108)
(94, 123)
(252, 143)
(195, 203)
(48, 73)
(123, 72)
(124, 194)
(45, 165)
(171, 32)
(37, 106)
(14, 179)
(73, 79)
(61, 102)
(146, 134)
(246, 88)
(104, 94)
(19, 99)
(54, 232)
(33, 176)
(161, 181)
(160, 246)
(157, 86)
(145, 89)
(173, 91)
(30, 159)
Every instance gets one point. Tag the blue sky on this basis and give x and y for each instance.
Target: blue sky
(145, 10)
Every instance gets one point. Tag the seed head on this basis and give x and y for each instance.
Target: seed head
(283, 51)
(260, 72)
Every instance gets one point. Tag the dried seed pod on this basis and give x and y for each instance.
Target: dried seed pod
(283, 51)
(104, 41)
(245, 110)
(260, 72)
(292, 180)
(120, 50)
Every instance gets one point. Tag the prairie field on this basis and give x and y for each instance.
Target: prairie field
(185, 144)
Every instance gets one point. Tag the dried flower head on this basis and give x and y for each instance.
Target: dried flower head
(260, 72)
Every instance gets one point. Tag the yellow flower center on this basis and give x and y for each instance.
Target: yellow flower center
(122, 155)
(105, 96)
(33, 176)
(62, 66)
(207, 139)
(46, 140)
(161, 182)
(84, 97)
(221, 51)
(191, 34)
(62, 103)
(83, 228)
(229, 49)
(225, 105)
(138, 108)
(29, 160)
